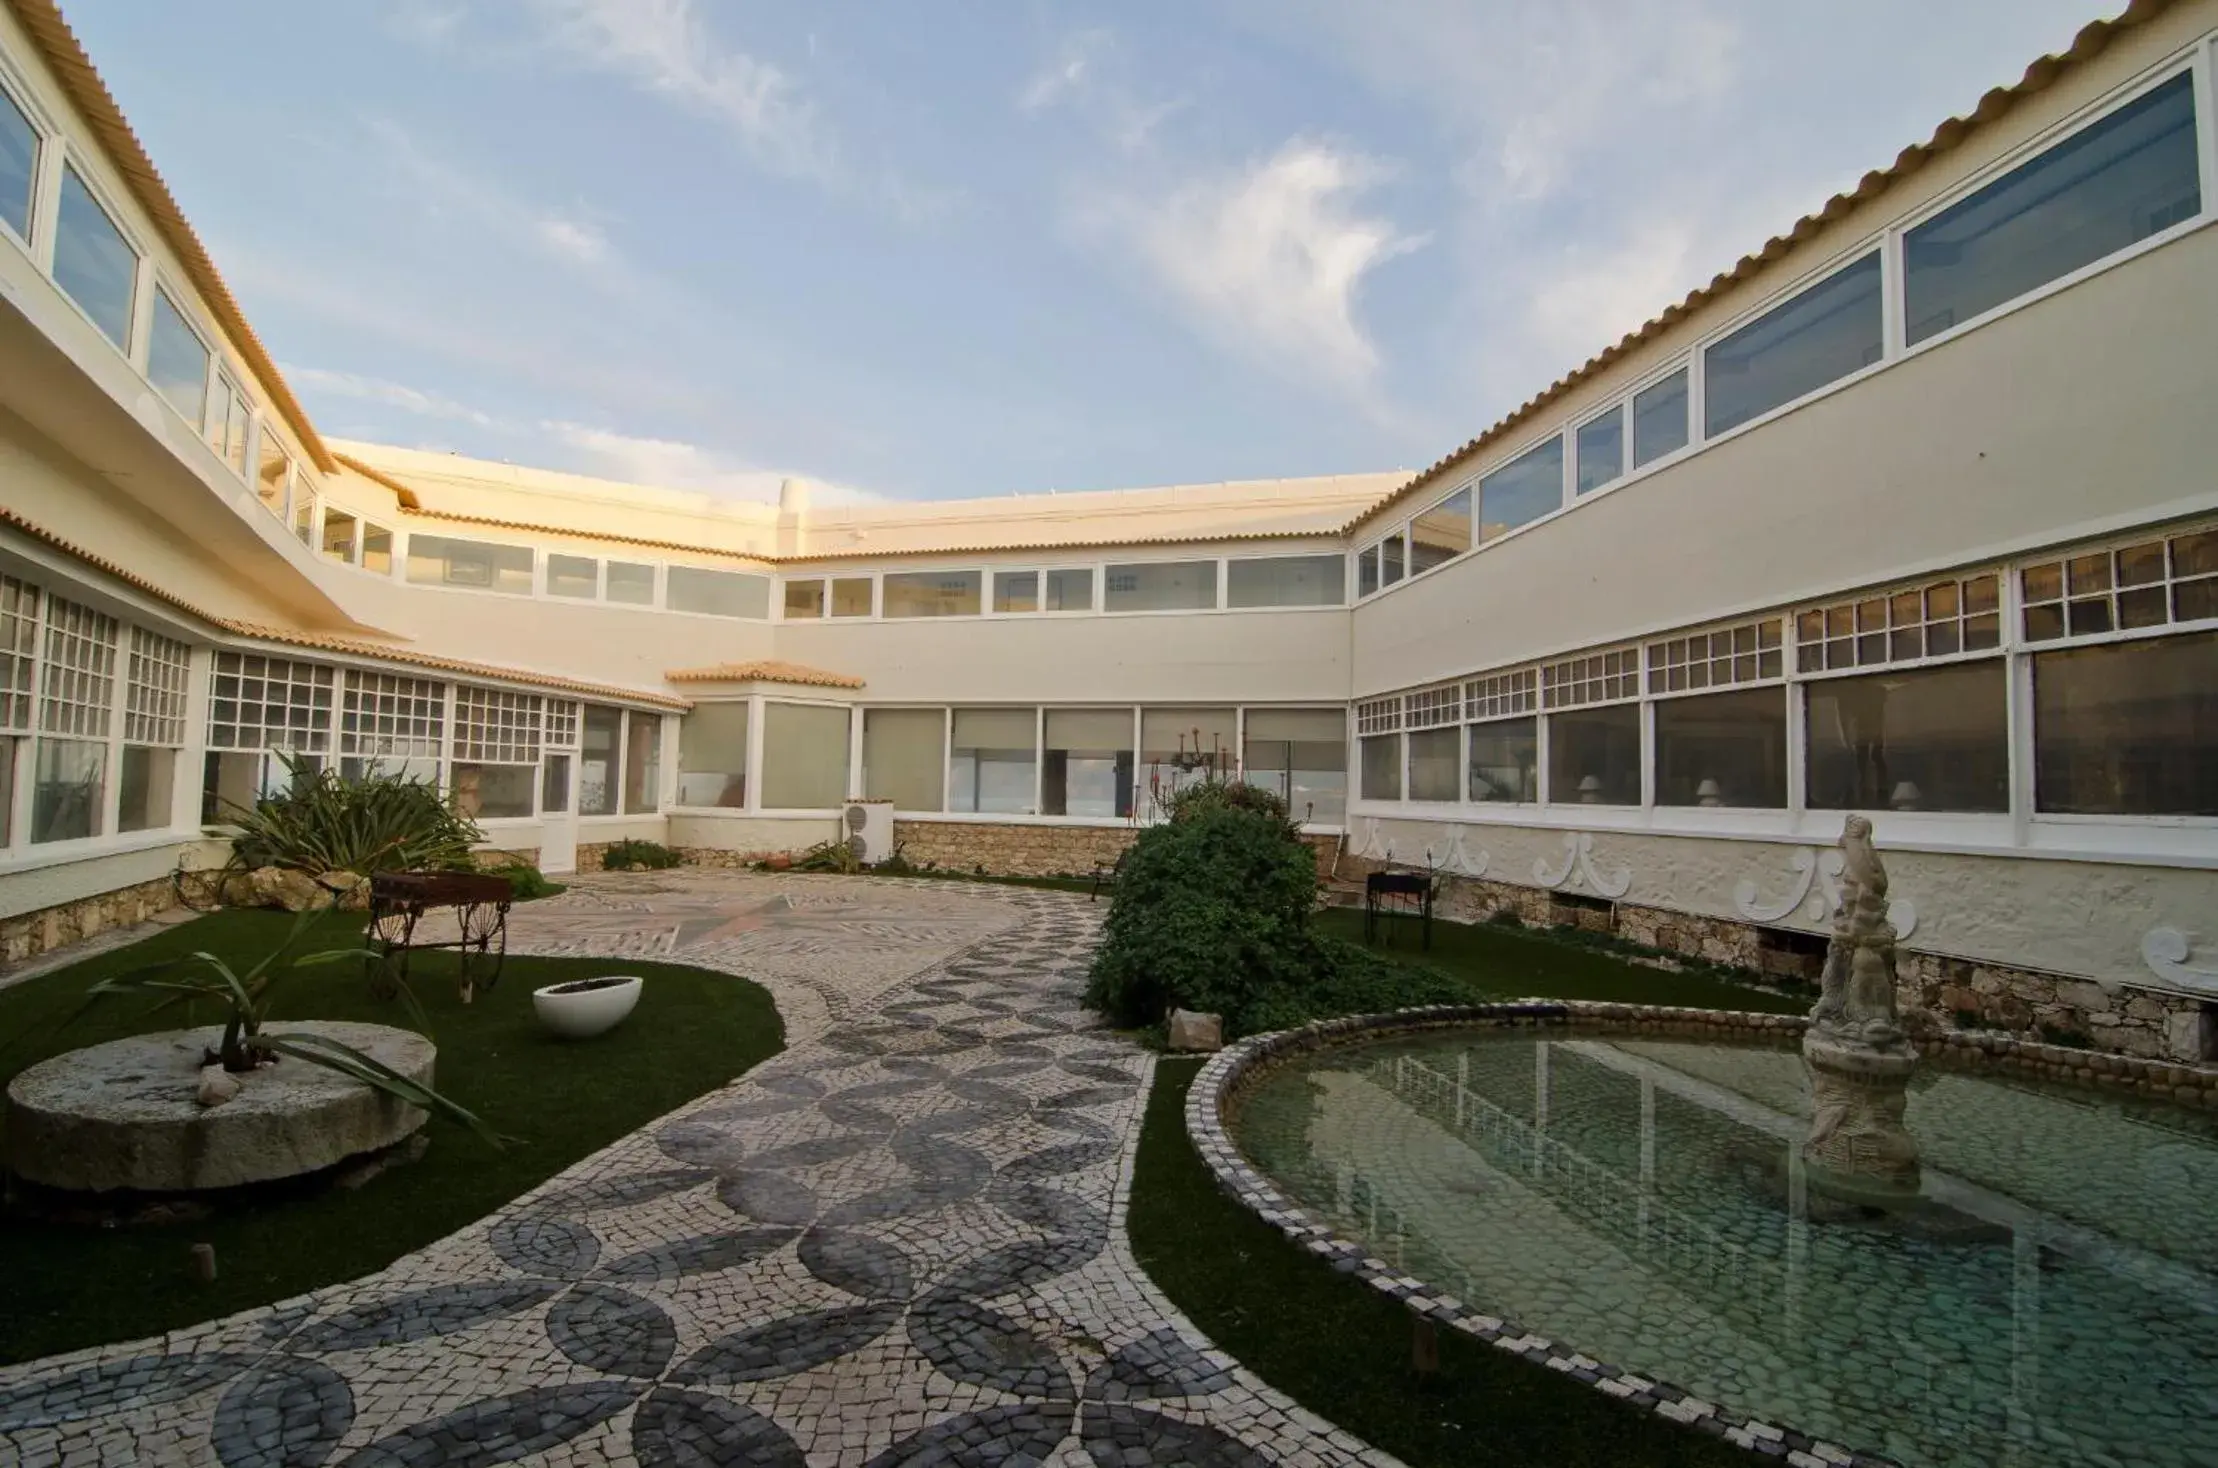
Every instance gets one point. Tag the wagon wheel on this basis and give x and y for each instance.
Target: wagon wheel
(484, 944)
(392, 929)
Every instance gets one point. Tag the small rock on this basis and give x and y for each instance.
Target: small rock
(291, 890)
(217, 1086)
(1196, 1032)
(350, 891)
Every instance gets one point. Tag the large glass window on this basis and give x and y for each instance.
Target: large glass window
(1594, 755)
(1723, 749)
(991, 764)
(804, 601)
(1660, 419)
(1391, 559)
(439, 560)
(1367, 571)
(1302, 754)
(1291, 581)
(339, 529)
(2128, 728)
(77, 680)
(712, 755)
(573, 576)
(603, 737)
(69, 789)
(19, 146)
(643, 763)
(931, 594)
(718, 593)
(377, 549)
(1016, 591)
(396, 725)
(1441, 533)
(273, 472)
(1086, 769)
(631, 583)
(2122, 179)
(228, 420)
(494, 792)
(804, 756)
(1163, 586)
(1184, 746)
(1601, 450)
(851, 596)
(1929, 739)
(1068, 589)
(1435, 764)
(1795, 348)
(905, 757)
(153, 730)
(1382, 766)
(1523, 490)
(93, 262)
(497, 735)
(304, 515)
(1505, 761)
(177, 361)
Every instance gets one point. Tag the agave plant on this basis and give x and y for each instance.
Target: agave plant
(245, 998)
(323, 822)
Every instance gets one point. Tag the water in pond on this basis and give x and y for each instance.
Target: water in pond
(2052, 1299)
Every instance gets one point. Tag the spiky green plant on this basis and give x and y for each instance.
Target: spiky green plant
(321, 822)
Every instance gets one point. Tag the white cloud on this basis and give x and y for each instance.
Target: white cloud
(1271, 256)
(574, 240)
(390, 394)
(675, 464)
(1084, 76)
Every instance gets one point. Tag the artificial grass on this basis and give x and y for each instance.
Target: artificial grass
(1342, 1350)
(75, 1285)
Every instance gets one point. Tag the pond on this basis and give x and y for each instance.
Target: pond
(2050, 1297)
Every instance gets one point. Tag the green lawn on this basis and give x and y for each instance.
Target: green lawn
(71, 1286)
(1342, 1350)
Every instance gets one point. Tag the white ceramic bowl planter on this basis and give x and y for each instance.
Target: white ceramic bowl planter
(583, 1008)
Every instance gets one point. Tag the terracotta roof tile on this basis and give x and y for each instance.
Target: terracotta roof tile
(764, 670)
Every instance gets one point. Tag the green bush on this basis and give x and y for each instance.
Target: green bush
(1209, 795)
(528, 882)
(624, 856)
(381, 822)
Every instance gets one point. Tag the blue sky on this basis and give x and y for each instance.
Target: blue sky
(945, 250)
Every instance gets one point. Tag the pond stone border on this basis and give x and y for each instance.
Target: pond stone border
(1217, 1089)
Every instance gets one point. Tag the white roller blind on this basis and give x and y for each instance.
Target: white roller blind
(902, 757)
(994, 729)
(804, 756)
(1089, 729)
(1161, 730)
(1300, 725)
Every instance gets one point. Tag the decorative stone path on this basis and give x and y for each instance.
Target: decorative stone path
(900, 1242)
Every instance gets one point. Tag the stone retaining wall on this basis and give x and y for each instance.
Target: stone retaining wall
(30, 934)
(1010, 849)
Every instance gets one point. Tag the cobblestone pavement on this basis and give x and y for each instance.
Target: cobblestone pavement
(899, 1242)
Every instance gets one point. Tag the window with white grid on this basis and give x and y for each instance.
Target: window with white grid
(1379, 715)
(562, 723)
(2147, 584)
(258, 702)
(1429, 708)
(1940, 619)
(19, 640)
(1596, 678)
(495, 727)
(390, 717)
(1498, 695)
(154, 690)
(1748, 653)
(77, 683)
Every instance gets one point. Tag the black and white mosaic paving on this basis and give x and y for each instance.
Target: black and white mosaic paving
(898, 1243)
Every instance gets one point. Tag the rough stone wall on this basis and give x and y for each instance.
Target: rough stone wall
(30, 934)
(1011, 850)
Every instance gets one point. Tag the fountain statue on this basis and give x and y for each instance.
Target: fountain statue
(1858, 1061)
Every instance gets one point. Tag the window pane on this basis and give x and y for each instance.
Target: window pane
(1382, 766)
(1087, 769)
(578, 576)
(1016, 591)
(1293, 581)
(905, 757)
(1522, 490)
(67, 794)
(304, 517)
(597, 785)
(718, 593)
(1660, 419)
(1601, 450)
(554, 785)
(1390, 560)
(8, 748)
(237, 418)
(498, 792)
(92, 262)
(2121, 180)
(804, 601)
(437, 560)
(1505, 761)
(1435, 761)
(990, 768)
(18, 167)
(931, 594)
(377, 549)
(1185, 746)
(338, 535)
(804, 756)
(1796, 347)
(642, 764)
(1070, 589)
(1302, 754)
(273, 472)
(1594, 756)
(712, 755)
(1928, 740)
(1440, 534)
(851, 596)
(2130, 728)
(1723, 749)
(1367, 572)
(1163, 586)
(631, 583)
(177, 361)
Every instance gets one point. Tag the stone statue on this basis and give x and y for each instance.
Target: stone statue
(1857, 990)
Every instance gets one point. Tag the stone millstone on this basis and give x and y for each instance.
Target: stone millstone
(124, 1114)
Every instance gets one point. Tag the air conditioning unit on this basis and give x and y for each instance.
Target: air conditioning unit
(868, 826)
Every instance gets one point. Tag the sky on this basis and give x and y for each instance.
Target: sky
(931, 251)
